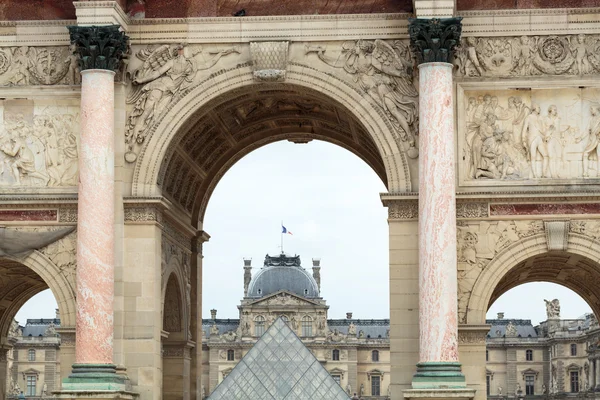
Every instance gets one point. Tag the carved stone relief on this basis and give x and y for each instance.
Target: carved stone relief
(478, 243)
(528, 56)
(172, 312)
(166, 70)
(21, 66)
(384, 72)
(38, 143)
(63, 253)
(540, 134)
(269, 60)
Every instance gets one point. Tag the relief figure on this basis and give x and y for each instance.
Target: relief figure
(593, 141)
(165, 72)
(384, 72)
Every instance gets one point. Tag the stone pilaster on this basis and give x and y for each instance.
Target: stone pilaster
(99, 50)
(438, 369)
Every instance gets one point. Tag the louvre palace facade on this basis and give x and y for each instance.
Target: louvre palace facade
(119, 118)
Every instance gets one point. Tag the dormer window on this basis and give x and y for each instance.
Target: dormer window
(259, 291)
(306, 292)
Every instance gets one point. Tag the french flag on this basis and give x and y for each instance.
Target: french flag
(284, 230)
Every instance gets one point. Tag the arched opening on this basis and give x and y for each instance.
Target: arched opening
(543, 346)
(37, 333)
(213, 137)
(175, 350)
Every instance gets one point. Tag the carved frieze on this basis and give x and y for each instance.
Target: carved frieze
(38, 144)
(142, 213)
(24, 65)
(403, 209)
(528, 56)
(471, 337)
(67, 214)
(166, 70)
(384, 71)
(512, 136)
(472, 210)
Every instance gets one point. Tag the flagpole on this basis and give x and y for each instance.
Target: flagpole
(282, 237)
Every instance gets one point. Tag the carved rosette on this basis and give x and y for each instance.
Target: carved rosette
(434, 40)
(99, 47)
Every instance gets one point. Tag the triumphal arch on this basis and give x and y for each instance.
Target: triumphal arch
(119, 118)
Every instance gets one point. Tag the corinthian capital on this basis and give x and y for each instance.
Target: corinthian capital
(99, 47)
(434, 40)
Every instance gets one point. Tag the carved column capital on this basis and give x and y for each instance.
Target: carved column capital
(434, 40)
(99, 47)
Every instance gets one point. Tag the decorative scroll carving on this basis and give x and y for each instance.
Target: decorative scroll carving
(25, 65)
(472, 210)
(385, 72)
(67, 214)
(478, 243)
(269, 60)
(99, 47)
(403, 209)
(471, 337)
(528, 56)
(41, 151)
(541, 134)
(166, 71)
(142, 214)
(434, 40)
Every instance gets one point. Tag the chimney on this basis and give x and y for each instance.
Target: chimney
(348, 315)
(213, 314)
(57, 314)
(500, 315)
(247, 274)
(317, 272)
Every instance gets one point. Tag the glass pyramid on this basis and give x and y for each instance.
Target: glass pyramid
(279, 367)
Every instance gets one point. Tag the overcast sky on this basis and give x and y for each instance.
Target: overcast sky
(329, 199)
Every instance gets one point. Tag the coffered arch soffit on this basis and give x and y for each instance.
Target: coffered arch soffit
(529, 261)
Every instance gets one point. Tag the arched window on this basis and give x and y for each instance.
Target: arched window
(529, 355)
(573, 349)
(31, 355)
(375, 355)
(335, 356)
(230, 355)
(306, 326)
(259, 326)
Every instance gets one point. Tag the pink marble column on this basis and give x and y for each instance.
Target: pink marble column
(95, 223)
(438, 320)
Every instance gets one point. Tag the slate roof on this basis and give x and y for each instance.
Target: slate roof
(37, 327)
(372, 328)
(524, 327)
(283, 273)
(279, 367)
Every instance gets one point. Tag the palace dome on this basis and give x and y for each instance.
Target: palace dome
(283, 272)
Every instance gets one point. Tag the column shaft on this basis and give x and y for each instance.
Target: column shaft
(438, 320)
(597, 371)
(95, 223)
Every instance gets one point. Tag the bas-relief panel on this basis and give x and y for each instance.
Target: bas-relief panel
(38, 143)
(547, 136)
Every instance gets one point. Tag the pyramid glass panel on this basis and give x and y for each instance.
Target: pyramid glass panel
(279, 367)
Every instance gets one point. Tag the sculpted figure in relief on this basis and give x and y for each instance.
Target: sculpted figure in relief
(384, 72)
(352, 329)
(40, 154)
(593, 141)
(165, 72)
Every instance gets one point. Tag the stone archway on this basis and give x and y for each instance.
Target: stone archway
(175, 347)
(306, 84)
(20, 280)
(529, 260)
